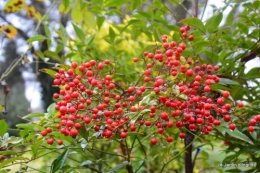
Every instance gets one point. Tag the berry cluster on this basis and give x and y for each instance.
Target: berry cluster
(179, 87)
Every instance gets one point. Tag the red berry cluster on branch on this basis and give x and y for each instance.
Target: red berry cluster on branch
(179, 87)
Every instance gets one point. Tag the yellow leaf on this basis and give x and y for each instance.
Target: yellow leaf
(13, 6)
(62, 9)
(32, 12)
(10, 31)
(77, 14)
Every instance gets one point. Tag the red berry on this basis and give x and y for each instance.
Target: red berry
(251, 129)
(50, 141)
(74, 132)
(60, 142)
(135, 59)
(189, 73)
(191, 37)
(153, 141)
(169, 139)
(240, 104)
(123, 135)
(252, 122)
(48, 129)
(44, 132)
(182, 135)
(225, 94)
(232, 126)
(77, 125)
(74, 65)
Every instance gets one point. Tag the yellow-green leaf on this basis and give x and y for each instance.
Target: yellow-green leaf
(36, 38)
(194, 23)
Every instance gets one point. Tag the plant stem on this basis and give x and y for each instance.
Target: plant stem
(188, 154)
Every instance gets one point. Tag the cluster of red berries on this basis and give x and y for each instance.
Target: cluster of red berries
(181, 89)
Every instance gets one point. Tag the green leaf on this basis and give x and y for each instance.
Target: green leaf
(79, 33)
(213, 22)
(4, 127)
(48, 34)
(49, 72)
(100, 21)
(25, 126)
(230, 18)
(119, 166)
(89, 19)
(195, 23)
(76, 14)
(36, 38)
(199, 46)
(252, 74)
(135, 4)
(90, 40)
(156, 35)
(8, 152)
(66, 4)
(52, 55)
(40, 54)
(239, 135)
(11, 140)
(58, 163)
(87, 162)
(1, 108)
(34, 114)
(35, 148)
(225, 81)
(83, 132)
(10, 160)
(64, 34)
(112, 34)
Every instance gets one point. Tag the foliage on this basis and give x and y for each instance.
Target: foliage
(229, 43)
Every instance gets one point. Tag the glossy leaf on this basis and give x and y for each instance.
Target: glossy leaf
(3, 128)
(33, 115)
(225, 81)
(195, 23)
(58, 163)
(36, 38)
(213, 22)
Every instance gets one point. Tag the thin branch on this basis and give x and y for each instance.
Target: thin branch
(204, 9)
(196, 10)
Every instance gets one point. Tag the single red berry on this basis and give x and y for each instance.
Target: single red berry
(251, 129)
(123, 135)
(191, 37)
(252, 122)
(240, 104)
(60, 142)
(232, 126)
(74, 65)
(49, 130)
(100, 66)
(189, 73)
(225, 94)
(74, 133)
(227, 118)
(50, 141)
(153, 141)
(44, 132)
(169, 139)
(182, 135)
(77, 125)
(135, 59)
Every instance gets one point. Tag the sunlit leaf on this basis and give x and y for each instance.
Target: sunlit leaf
(77, 14)
(13, 6)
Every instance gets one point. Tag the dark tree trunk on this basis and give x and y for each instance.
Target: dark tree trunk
(188, 153)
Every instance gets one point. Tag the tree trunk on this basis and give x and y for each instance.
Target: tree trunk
(188, 153)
